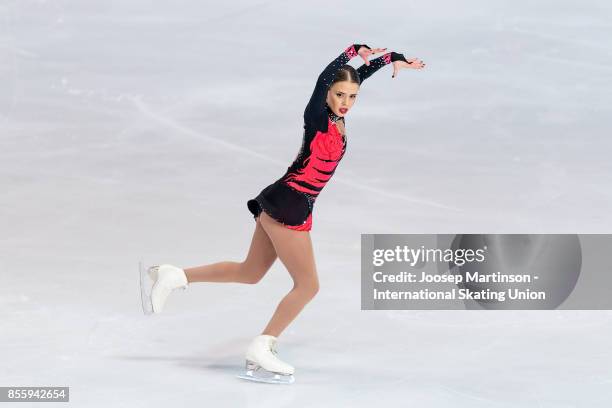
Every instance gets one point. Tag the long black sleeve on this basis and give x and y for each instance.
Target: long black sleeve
(316, 106)
(365, 71)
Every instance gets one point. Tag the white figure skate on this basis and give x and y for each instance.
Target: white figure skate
(156, 283)
(262, 364)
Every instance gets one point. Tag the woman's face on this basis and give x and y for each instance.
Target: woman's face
(341, 97)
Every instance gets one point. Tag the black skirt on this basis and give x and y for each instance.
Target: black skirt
(289, 207)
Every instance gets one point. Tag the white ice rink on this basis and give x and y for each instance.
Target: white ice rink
(138, 130)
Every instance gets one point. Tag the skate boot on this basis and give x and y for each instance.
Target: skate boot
(262, 364)
(160, 282)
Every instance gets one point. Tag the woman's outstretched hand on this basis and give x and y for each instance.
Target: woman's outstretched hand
(399, 62)
(365, 51)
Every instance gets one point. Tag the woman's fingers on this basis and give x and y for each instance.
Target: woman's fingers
(367, 52)
(415, 63)
(364, 52)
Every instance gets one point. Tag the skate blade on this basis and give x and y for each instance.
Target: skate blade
(267, 377)
(145, 289)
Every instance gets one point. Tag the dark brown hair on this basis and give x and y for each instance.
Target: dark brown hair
(347, 73)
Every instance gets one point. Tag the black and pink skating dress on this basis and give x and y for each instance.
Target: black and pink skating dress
(290, 199)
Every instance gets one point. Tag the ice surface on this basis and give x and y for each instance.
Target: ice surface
(138, 130)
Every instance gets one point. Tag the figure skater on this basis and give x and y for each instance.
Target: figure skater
(283, 212)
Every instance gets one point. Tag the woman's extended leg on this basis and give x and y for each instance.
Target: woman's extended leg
(294, 249)
(260, 258)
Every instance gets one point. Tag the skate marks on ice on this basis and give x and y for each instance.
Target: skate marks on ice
(174, 125)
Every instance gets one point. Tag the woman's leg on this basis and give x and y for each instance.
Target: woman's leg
(294, 249)
(260, 258)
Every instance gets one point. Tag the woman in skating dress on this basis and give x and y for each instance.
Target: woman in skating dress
(283, 212)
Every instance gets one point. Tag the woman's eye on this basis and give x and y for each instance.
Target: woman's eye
(338, 95)
(353, 96)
